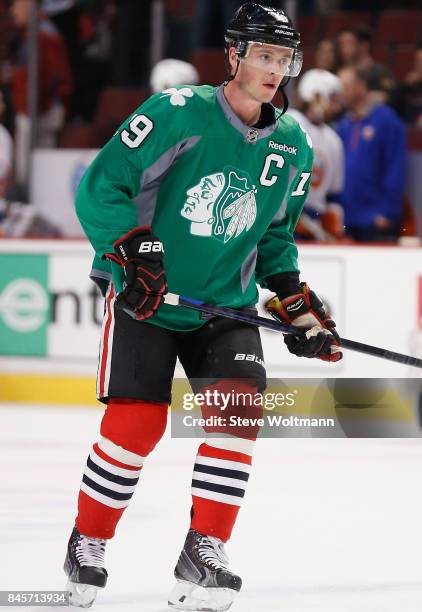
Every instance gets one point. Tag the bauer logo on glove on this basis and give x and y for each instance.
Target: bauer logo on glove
(140, 253)
(306, 311)
(295, 306)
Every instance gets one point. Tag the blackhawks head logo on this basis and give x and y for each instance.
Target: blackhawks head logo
(221, 205)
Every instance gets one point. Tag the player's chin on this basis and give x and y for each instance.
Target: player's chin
(268, 91)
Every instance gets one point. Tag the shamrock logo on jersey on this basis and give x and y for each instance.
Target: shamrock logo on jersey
(221, 205)
(177, 96)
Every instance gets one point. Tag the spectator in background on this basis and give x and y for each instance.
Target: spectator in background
(318, 103)
(65, 15)
(210, 18)
(8, 116)
(171, 73)
(130, 62)
(6, 157)
(381, 84)
(96, 29)
(354, 47)
(415, 75)
(54, 83)
(409, 103)
(326, 55)
(375, 152)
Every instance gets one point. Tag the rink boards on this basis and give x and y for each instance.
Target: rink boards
(50, 315)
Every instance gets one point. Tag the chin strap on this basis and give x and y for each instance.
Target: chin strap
(284, 96)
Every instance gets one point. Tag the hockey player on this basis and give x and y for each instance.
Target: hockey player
(198, 191)
(319, 103)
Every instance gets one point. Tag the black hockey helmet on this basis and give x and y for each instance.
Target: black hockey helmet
(257, 23)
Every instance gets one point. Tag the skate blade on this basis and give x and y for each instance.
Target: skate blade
(189, 596)
(81, 595)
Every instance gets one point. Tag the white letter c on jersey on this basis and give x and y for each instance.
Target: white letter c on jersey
(279, 162)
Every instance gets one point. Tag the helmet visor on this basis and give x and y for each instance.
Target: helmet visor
(283, 61)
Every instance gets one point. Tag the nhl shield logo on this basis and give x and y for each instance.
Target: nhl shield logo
(252, 136)
(221, 205)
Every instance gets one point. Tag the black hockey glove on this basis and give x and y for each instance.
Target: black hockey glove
(306, 310)
(141, 255)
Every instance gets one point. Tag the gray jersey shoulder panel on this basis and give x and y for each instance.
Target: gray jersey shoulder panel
(146, 201)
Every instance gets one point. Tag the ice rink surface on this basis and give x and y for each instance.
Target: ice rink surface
(327, 525)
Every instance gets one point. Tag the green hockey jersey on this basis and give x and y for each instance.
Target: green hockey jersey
(223, 197)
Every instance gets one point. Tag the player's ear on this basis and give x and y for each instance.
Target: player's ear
(232, 59)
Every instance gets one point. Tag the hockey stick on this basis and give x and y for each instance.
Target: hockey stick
(230, 313)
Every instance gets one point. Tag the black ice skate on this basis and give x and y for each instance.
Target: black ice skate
(84, 567)
(203, 581)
